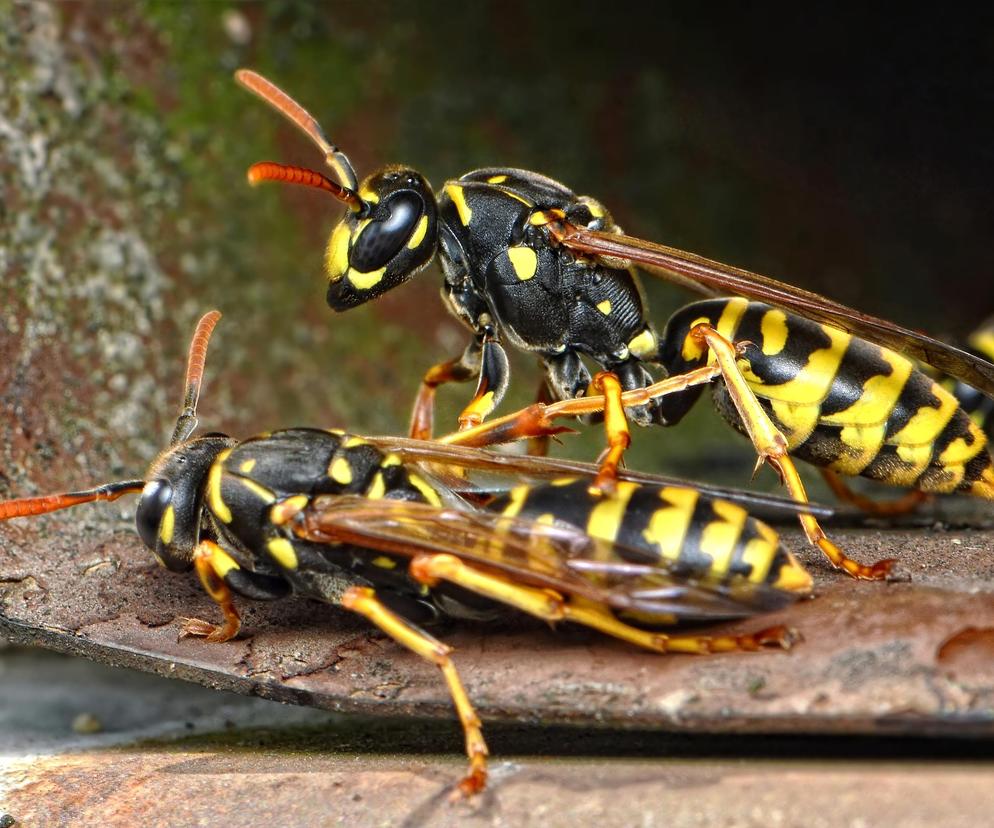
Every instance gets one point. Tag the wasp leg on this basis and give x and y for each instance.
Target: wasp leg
(455, 370)
(494, 376)
(539, 446)
(363, 600)
(212, 564)
(616, 428)
(884, 508)
(771, 446)
(552, 607)
(537, 420)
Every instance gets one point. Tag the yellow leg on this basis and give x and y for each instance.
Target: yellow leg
(423, 414)
(616, 429)
(771, 446)
(552, 607)
(208, 560)
(885, 508)
(363, 601)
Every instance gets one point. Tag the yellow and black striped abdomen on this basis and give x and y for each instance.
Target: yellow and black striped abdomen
(979, 406)
(853, 406)
(687, 536)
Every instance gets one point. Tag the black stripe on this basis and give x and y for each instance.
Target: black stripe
(860, 363)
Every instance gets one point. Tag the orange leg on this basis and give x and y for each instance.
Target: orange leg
(884, 508)
(211, 563)
(423, 415)
(363, 601)
(616, 428)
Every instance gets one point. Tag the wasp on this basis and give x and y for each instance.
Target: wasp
(979, 406)
(354, 522)
(528, 261)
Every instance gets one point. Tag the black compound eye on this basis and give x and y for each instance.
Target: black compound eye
(156, 496)
(380, 241)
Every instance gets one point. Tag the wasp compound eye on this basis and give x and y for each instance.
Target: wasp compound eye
(381, 240)
(156, 497)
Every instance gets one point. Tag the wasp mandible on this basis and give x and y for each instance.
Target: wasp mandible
(343, 519)
(528, 261)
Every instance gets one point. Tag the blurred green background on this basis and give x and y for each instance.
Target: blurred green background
(846, 152)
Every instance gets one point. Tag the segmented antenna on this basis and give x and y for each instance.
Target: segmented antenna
(271, 171)
(283, 103)
(187, 420)
(25, 506)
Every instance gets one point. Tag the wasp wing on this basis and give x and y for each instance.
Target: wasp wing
(427, 451)
(555, 556)
(714, 278)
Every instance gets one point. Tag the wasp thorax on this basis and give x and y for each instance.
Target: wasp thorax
(386, 243)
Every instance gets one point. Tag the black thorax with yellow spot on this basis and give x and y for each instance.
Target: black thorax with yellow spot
(841, 402)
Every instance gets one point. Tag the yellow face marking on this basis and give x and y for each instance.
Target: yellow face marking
(455, 192)
(214, 501)
(605, 308)
(774, 330)
(369, 195)
(283, 553)
(524, 261)
(644, 344)
(340, 471)
(286, 509)
(813, 381)
(377, 488)
(364, 281)
(258, 490)
(668, 525)
(422, 486)
(336, 256)
(222, 563)
(605, 518)
(719, 537)
(247, 466)
(383, 562)
(419, 234)
(352, 442)
(167, 525)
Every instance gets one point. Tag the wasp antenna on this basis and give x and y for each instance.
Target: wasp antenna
(196, 359)
(25, 506)
(283, 103)
(271, 171)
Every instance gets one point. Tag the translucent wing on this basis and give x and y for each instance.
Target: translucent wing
(553, 556)
(427, 451)
(714, 278)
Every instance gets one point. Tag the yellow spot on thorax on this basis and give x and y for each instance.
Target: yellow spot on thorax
(429, 494)
(340, 471)
(257, 489)
(353, 441)
(455, 192)
(283, 552)
(287, 509)
(419, 234)
(605, 308)
(247, 466)
(383, 562)
(497, 179)
(377, 488)
(167, 525)
(668, 525)
(524, 261)
(644, 344)
(336, 257)
(391, 460)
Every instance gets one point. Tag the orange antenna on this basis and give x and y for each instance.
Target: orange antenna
(187, 420)
(25, 506)
(271, 171)
(293, 111)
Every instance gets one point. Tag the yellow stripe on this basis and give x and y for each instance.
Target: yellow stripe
(524, 261)
(796, 422)
(668, 525)
(214, 500)
(340, 471)
(644, 344)
(283, 553)
(429, 493)
(497, 179)
(166, 525)
(605, 518)
(257, 489)
(731, 314)
(880, 394)
(862, 445)
(455, 192)
(364, 281)
(419, 234)
(377, 488)
(760, 552)
(959, 451)
(720, 537)
(352, 442)
(813, 380)
(927, 422)
(247, 466)
(222, 563)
